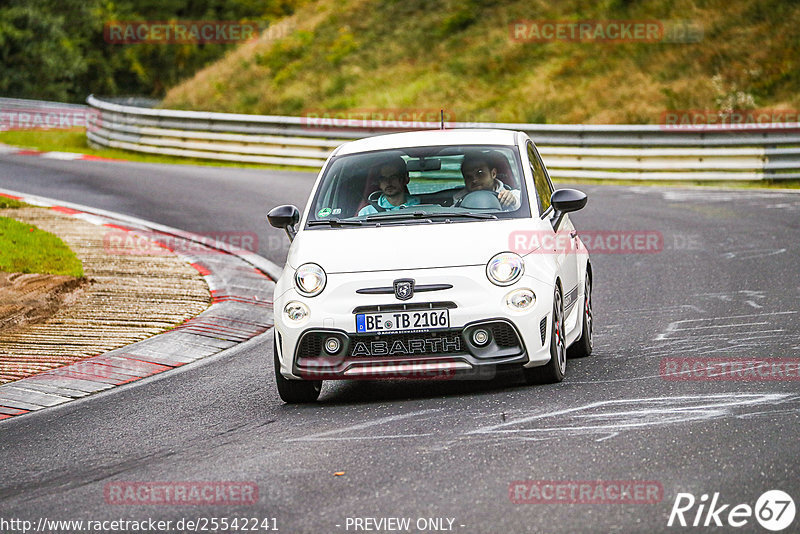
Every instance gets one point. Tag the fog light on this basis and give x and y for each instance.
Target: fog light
(295, 311)
(332, 345)
(521, 299)
(480, 337)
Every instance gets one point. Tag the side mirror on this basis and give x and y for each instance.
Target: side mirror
(565, 201)
(285, 217)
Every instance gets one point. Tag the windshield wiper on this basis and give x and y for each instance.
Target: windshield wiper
(422, 215)
(397, 216)
(336, 223)
(465, 214)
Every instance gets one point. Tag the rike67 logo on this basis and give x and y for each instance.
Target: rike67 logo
(774, 510)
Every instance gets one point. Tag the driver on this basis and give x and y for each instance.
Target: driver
(392, 178)
(480, 175)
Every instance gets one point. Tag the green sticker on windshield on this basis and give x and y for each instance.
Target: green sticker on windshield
(324, 212)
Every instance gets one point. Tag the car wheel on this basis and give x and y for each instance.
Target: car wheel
(554, 370)
(583, 346)
(294, 391)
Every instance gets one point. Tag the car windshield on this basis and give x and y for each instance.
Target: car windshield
(421, 185)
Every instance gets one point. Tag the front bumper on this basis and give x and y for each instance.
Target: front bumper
(439, 353)
(516, 338)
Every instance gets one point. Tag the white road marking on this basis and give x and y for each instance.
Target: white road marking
(751, 254)
(720, 326)
(635, 413)
(728, 297)
(661, 310)
(323, 436)
(612, 435)
(719, 196)
(358, 438)
(61, 155)
(782, 206)
(673, 327)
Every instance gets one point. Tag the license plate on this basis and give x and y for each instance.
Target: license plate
(402, 321)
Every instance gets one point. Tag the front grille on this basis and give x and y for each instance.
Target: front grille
(504, 335)
(405, 307)
(543, 328)
(310, 345)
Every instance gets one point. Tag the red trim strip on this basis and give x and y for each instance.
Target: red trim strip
(62, 209)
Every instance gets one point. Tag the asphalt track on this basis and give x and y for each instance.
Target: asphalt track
(725, 285)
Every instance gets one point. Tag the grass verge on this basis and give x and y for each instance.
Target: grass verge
(27, 249)
(11, 203)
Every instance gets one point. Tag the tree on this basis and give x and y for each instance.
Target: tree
(55, 49)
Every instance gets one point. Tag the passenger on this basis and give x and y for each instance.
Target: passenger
(393, 180)
(480, 175)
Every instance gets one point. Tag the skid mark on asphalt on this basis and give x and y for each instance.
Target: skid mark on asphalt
(607, 419)
(346, 433)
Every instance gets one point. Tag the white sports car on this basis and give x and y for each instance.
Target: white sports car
(431, 255)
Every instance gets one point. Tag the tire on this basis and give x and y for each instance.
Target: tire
(294, 391)
(553, 371)
(583, 346)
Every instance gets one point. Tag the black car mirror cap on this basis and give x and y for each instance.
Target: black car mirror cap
(566, 201)
(286, 217)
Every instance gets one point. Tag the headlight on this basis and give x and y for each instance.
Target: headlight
(310, 279)
(505, 268)
(295, 311)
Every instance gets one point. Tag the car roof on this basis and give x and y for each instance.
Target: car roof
(430, 138)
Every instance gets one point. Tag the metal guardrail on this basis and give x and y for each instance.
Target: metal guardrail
(13, 104)
(629, 152)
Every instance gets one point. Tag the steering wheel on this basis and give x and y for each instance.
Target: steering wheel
(373, 200)
(481, 200)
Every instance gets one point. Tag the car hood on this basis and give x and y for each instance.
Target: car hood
(401, 247)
